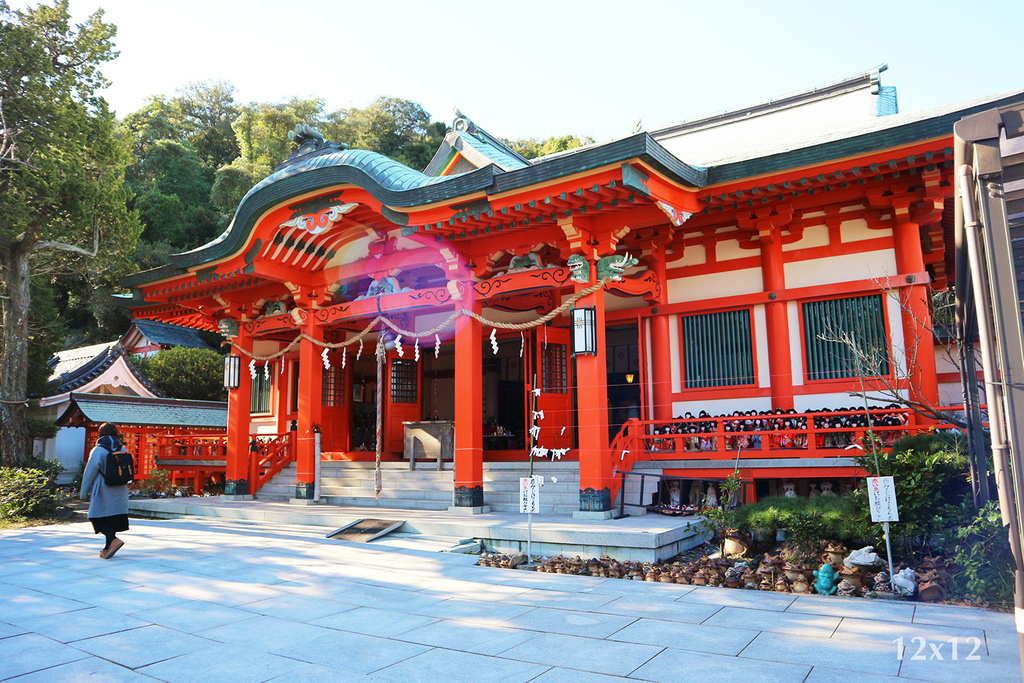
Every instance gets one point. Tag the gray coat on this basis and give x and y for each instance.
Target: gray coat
(104, 501)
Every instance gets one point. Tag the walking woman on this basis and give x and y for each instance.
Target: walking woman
(108, 505)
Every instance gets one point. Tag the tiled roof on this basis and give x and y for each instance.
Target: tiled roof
(139, 410)
(74, 368)
(172, 335)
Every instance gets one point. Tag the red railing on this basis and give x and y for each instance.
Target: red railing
(786, 435)
(192, 456)
(268, 455)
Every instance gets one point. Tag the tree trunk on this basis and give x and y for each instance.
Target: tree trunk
(14, 440)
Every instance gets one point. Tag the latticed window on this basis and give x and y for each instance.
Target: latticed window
(718, 350)
(333, 387)
(259, 400)
(554, 368)
(846, 338)
(403, 381)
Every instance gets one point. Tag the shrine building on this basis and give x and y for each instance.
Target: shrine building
(638, 304)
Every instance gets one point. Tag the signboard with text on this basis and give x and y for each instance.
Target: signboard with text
(882, 497)
(529, 493)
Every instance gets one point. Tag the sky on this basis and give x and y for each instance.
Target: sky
(542, 68)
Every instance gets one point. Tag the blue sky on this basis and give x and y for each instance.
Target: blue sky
(535, 69)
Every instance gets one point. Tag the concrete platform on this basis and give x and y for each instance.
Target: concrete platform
(204, 599)
(650, 538)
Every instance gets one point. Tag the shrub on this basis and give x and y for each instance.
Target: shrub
(983, 563)
(157, 483)
(927, 470)
(185, 372)
(26, 493)
(807, 520)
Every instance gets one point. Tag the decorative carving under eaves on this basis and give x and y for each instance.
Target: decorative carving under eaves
(316, 223)
(522, 281)
(580, 268)
(645, 284)
(612, 267)
(528, 261)
(677, 216)
(228, 327)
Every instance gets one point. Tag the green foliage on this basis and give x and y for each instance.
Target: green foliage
(185, 372)
(41, 429)
(718, 520)
(983, 562)
(926, 469)
(806, 520)
(158, 483)
(26, 493)
(46, 334)
(532, 148)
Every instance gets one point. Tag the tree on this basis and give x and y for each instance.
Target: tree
(185, 372)
(62, 190)
(532, 148)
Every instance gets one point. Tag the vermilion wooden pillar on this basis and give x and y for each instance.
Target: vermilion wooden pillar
(592, 417)
(236, 475)
(917, 319)
(777, 324)
(469, 452)
(310, 409)
(661, 368)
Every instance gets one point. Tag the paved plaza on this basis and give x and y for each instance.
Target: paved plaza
(192, 600)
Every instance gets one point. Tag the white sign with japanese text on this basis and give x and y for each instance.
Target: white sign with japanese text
(529, 493)
(882, 498)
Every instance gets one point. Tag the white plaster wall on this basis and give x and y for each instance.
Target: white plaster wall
(730, 250)
(70, 450)
(834, 400)
(796, 360)
(857, 230)
(814, 236)
(760, 322)
(715, 285)
(694, 255)
(845, 268)
(722, 406)
(951, 394)
(946, 358)
(673, 342)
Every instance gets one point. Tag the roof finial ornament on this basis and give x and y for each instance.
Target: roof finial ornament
(639, 126)
(308, 140)
(462, 122)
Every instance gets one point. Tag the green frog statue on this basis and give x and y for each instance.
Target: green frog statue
(827, 580)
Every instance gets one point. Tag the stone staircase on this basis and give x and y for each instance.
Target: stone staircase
(425, 488)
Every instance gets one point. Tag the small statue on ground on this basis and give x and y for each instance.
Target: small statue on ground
(827, 580)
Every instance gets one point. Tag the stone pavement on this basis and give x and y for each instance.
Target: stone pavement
(214, 600)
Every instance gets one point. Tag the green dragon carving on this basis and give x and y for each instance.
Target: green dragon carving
(612, 267)
(579, 267)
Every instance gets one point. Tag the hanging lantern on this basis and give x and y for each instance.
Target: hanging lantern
(584, 331)
(232, 371)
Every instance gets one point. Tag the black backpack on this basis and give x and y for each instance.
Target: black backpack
(119, 468)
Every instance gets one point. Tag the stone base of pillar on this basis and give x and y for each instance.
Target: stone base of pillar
(469, 496)
(592, 500)
(236, 487)
(303, 501)
(478, 510)
(228, 496)
(597, 514)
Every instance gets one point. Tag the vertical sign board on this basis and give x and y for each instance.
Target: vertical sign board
(529, 494)
(882, 498)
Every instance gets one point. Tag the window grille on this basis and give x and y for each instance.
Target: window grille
(554, 368)
(333, 387)
(404, 387)
(259, 400)
(718, 350)
(846, 338)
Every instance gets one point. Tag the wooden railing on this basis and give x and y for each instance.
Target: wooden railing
(192, 457)
(786, 435)
(268, 455)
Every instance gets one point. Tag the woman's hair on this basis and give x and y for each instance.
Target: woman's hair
(108, 429)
